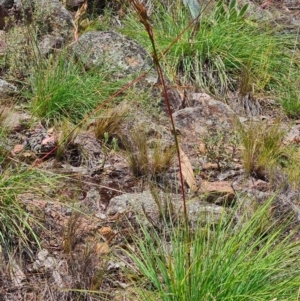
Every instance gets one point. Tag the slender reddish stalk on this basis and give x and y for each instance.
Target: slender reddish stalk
(142, 13)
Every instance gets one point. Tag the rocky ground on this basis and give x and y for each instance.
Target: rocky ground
(94, 206)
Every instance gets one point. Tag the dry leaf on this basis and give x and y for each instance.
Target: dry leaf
(187, 170)
(202, 148)
(80, 12)
(106, 232)
(102, 248)
(48, 139)
(28, 154)
(18, 148)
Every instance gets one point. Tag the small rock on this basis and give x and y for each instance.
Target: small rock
(44, 260)
(18, 148)
(218, 192)
(293, 136)
(16, 274)
(207, 113)
(49, 263)
(49, 43)
(209, 166)
(42, 255)
(202, 148)
(58, 280)
(6, 88)
(229, 174)
(7, 3)
(92, 199)
(106, 232)
(260, 185)
(3, 45)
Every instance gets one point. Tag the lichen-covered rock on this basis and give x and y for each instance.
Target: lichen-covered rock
(89, 152)
(49, 43)
(6, 88)
(40, 141)
(74, 3)
(206, 113)
(144, 208)
(61, 18)
(3, 45)
(123, 55)
(7, 3)
(94, 6)
(52, 15)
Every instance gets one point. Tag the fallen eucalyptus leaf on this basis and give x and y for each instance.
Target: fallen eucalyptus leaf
(187, 171)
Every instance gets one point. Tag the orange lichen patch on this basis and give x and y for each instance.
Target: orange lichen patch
(131, 61)
(106, 232)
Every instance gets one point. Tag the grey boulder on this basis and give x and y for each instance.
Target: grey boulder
(123, 55)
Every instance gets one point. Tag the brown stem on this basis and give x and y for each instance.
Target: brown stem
(142, 12)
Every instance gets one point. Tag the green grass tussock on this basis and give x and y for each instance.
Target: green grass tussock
(63, 88)
(265, 155)
(17, 226)
(261, 147)
(215, 54)
(235, 260)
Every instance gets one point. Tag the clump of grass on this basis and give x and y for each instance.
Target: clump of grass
(86, 261)
(220, 149)
(22, 54)
(234, 260)
(110, 122)
(265, 155)
(145, 159)
(261, 147)
(66, 134)
(290, 97)
(71, 235)
(215, 54)
(89, 272)
(62, 88)
(290, 164)
(17, 227)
